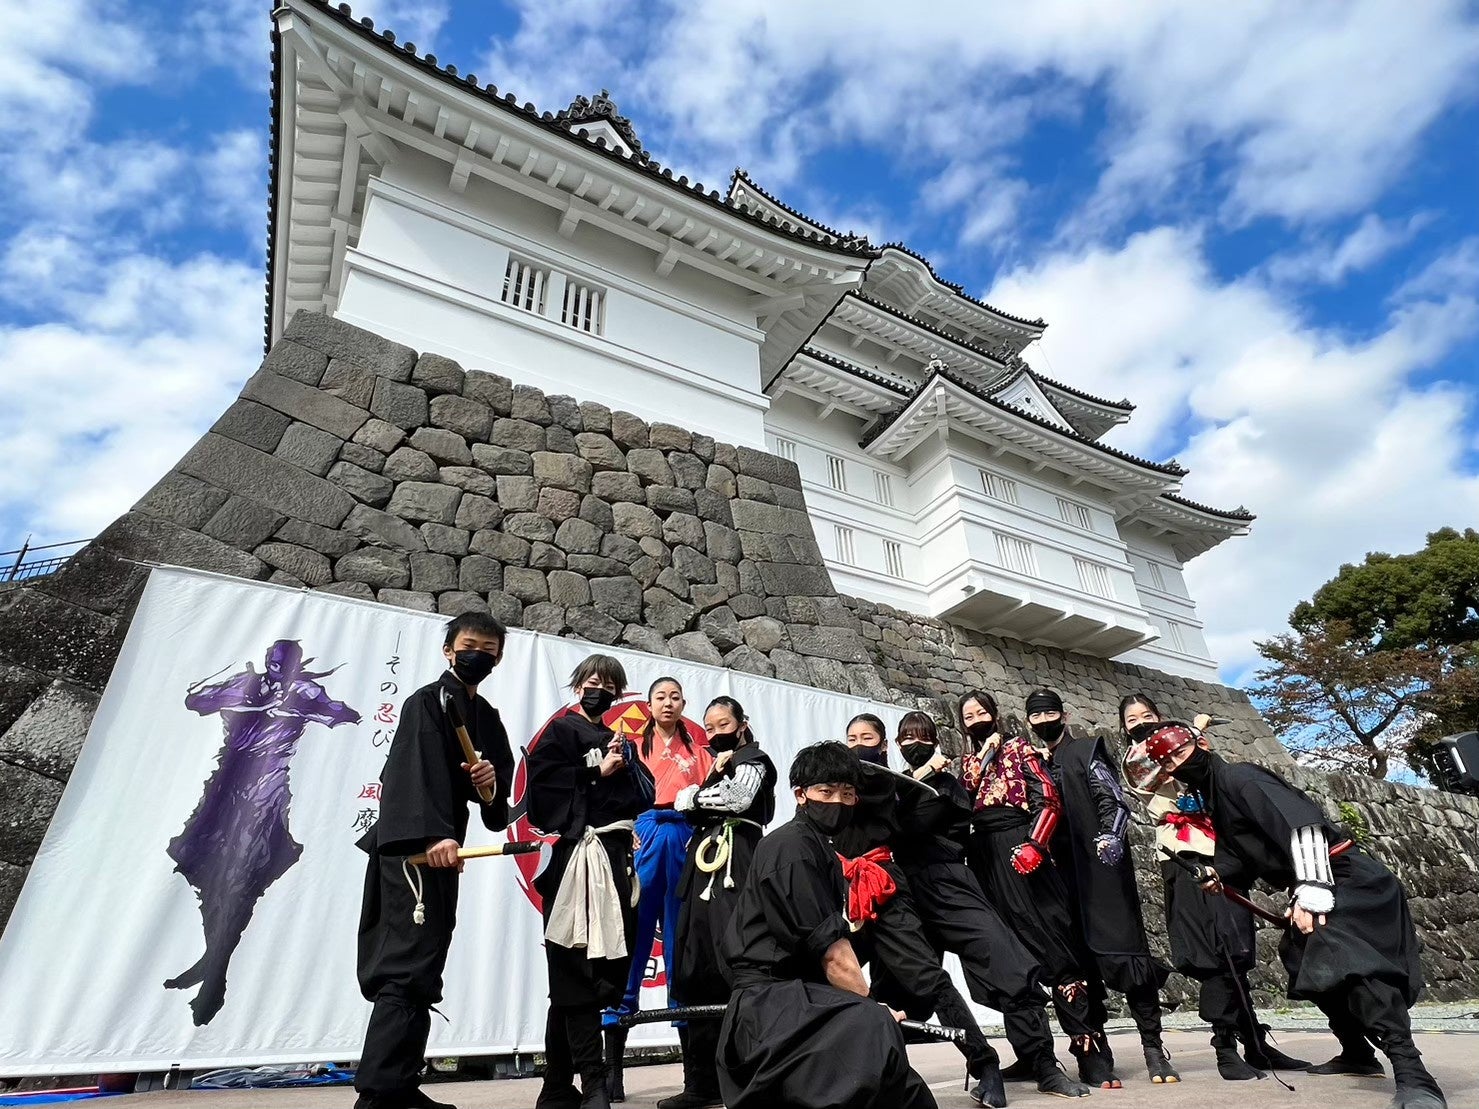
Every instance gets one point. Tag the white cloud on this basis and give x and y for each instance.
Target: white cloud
(1312, 109)
(136, 360)
(233, 176)
(1326, 263)
(1336, 445)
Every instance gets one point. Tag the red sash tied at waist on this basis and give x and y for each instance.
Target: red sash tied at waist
(1185, 823)
(869, 886)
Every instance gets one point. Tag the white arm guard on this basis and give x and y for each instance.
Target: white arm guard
(684, 801)
(1314, 889)
(733, 794)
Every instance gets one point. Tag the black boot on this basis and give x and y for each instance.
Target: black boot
(699, 1091)
(1052, 1079)
(984, 1082)
(616, 1046)
(1411, 1097)
(1021, 1070)
(1264, 1055)
(1416, 1086)
(1158, 1063)
(417, 1099)
(1095, 1063)
(593, 1089)
(1352, 1062)
(1229, 1063)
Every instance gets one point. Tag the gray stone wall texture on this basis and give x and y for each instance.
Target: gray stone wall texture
(353, 465)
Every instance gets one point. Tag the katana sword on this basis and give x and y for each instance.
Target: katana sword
(715, 1012)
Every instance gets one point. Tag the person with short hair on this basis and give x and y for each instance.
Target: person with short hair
(800, 1031)
(426, 787)
(1350, 947)
(587, 785)
(1091, 847)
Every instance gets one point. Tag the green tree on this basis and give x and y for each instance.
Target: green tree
(1382, 660)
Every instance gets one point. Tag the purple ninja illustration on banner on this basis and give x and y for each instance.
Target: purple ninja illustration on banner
(237, 841)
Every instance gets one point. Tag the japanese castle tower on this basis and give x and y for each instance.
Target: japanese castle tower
(943, 475)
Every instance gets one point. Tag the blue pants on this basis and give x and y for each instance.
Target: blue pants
(664, 836)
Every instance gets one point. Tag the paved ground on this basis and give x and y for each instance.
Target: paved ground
(1453, 1057)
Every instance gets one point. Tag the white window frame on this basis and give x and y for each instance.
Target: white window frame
(525, 284)
(1016, 555)
(837, 472)
(1094, 578)
(583, 307)
(1075, 514)
(846, 546)
(1000, 488)
(1178, 641)
(883, 488)
(785, 448)
(893, 558)
(1157, 578)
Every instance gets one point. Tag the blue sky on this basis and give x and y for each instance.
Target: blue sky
(1258, 223)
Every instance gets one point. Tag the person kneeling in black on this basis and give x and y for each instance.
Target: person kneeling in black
(800, 1030)
(408, 914)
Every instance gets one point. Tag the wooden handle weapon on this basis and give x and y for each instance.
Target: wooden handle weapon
(485, 852)
(469, 753)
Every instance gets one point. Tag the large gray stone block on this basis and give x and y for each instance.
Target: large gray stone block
(445, 447)
(747, 660)
(476, 513)
(568, 590)
(27, 800)
(722, 629)
(558, 505)
(618, 487)
(410, 464)
(437, 374)
(530, 526)
(294, 360)
(636, 520)
(695, 647)
(469, 479)
(629, 431)
(328, 541)
(182, 500)
(770, 519)
(447, 540)
(578, 537)
(595, 417)
(468, 418)
(649, 465)
(150, 539)
(518, 435)
(366, 458)
(309, 567)
(768, 467)
(48, 735)
(350, 383)
(546, 556)
(565, 412)
(664, 499)
(230, 465)
(403, 405)
(379, 435)
(358, 590)
(495, 391)
(511, 550)
(600, 452)
(694, 565)
(502, 461)
(525, 584)
(594, 625)
(688, 471)
(455, 602)
(681, 529)
(420, 501)
(530, 404)
(381, 529)
(721, 543)
(375, 566)
(644, 639)
(354, 344)
(254, 424)
(546, 617)
(782, 580)
(433, 573)
(305, 404)
(407, 598)
(361, 484)
(479, 574)
(562, 471)
(618, 597)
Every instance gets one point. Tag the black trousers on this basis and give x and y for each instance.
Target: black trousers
(1373, 1011)
(400, 970)
(572, 1043)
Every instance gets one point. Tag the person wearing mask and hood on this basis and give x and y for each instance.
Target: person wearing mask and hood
(1212, 939)
(800, 1030)
(1015, 809)
(1091, 847)
(728, 811)
(893, 810)
(587, 785)
(676, 763)
(931, 849)
(1350, 947)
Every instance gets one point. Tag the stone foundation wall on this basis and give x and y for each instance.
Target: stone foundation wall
(353, 465)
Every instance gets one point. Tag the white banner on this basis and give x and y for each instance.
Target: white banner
(106, 919)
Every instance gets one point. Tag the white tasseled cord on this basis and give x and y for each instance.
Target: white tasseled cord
(413, 879)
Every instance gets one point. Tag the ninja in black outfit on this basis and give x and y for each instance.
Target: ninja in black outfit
(426, 787)
(800, 1031)
(1351, 947)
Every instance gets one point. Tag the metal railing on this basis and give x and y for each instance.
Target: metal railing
(19, 565)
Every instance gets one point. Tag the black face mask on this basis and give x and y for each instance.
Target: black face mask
(878, 756)
(981, 730)
(472, 667)
(830, 817)
(595, 702)
(1049, 731)
(1196, 771)
(720, 742)
(917, 754)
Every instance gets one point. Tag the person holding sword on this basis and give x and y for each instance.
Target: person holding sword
(1350, 947)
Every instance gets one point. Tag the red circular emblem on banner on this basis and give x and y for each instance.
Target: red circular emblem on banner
(627, 718)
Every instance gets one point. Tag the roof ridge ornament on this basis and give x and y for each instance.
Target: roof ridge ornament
(591, 109)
